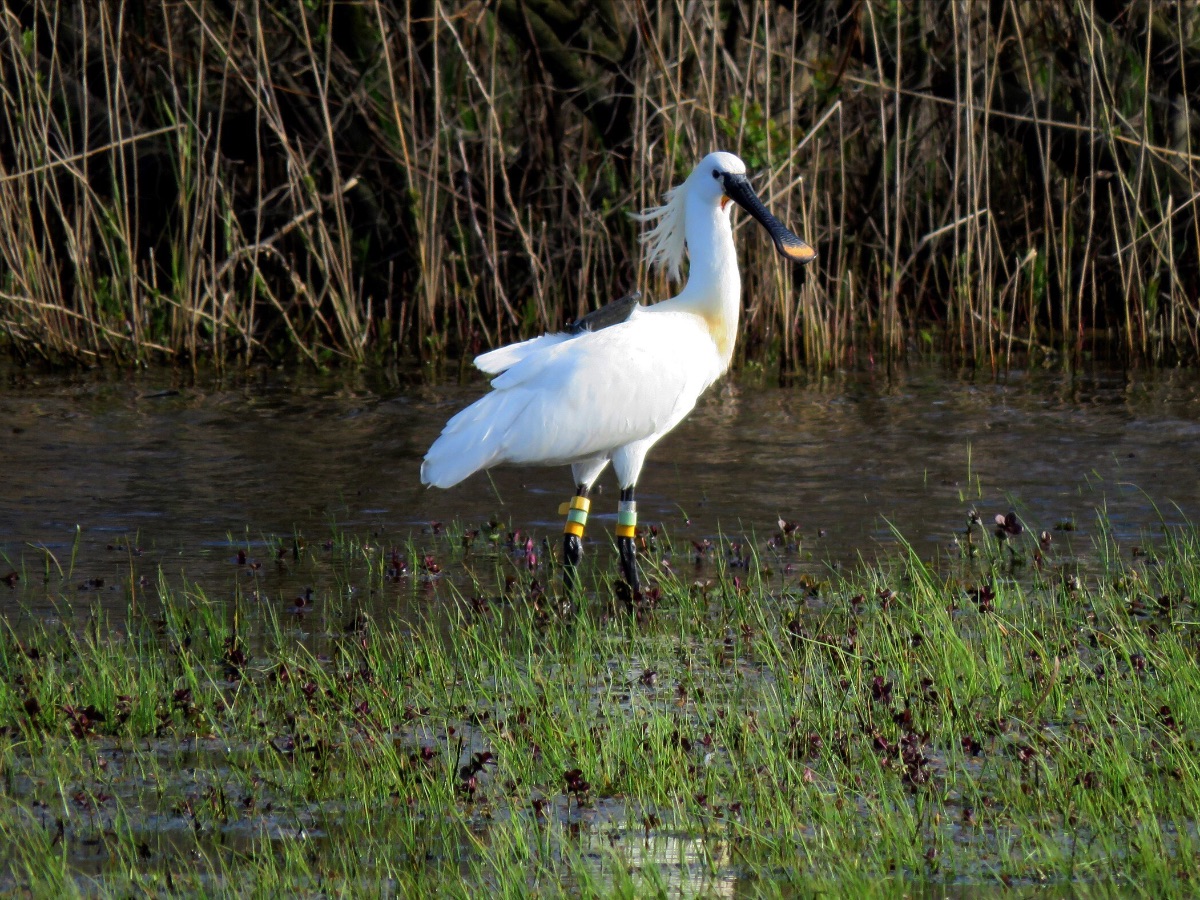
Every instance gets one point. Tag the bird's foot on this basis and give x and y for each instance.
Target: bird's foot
(572, 554)
(630, 590)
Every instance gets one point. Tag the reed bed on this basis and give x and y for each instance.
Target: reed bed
(349, 181)
(1002, 716)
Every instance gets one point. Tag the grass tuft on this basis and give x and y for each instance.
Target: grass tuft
(1006, 716)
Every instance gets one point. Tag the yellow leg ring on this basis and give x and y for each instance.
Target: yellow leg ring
(626, 519)
(576, 511)
(583, 504)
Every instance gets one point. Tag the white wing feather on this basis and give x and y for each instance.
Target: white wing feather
(580, 397)
(496, 361)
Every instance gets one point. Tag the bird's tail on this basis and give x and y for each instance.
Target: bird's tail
(474, 439)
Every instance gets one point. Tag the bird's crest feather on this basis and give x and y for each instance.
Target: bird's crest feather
(665, 242)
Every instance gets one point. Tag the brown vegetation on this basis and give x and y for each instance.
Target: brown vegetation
(201, 179)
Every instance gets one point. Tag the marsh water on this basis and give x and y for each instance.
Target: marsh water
(108, 482)
(113, 477)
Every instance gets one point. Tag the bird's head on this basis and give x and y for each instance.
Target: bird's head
(719, 178)
(722, 176)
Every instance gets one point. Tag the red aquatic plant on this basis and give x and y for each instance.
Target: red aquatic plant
(1008, 525)
(983, 596)
(881, 690)
(235, 658)
(575, 782)
(1167, 718)
(83, 719)
(397, 566)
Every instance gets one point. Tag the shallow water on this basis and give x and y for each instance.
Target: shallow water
(189, 471)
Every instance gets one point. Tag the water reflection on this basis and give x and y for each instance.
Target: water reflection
(189, 470)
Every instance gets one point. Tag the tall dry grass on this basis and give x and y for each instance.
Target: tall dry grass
(274, 178)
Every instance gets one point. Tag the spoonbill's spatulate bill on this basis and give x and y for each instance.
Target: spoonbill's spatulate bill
(594, 395)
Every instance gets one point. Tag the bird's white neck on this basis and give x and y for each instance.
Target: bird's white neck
(714, 286)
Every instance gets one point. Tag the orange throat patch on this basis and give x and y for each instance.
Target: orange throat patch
(721, 334)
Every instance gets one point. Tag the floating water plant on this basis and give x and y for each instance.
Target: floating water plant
(957, 722)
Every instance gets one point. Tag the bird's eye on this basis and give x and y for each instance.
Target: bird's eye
(716, 173)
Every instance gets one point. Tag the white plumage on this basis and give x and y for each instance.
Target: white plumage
(581, 399)
(605, 396)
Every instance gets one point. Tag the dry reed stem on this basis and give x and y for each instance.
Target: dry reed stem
(352, 180)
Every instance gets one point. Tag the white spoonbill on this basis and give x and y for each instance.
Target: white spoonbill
(601, 393)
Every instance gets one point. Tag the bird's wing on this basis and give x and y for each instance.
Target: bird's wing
(604, 389)
(496, 361)
(582, 398)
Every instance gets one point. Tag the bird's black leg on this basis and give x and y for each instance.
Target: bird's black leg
(576, 512)
(626, 543)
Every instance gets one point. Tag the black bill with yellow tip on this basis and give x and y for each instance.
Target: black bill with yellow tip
(738, 189)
